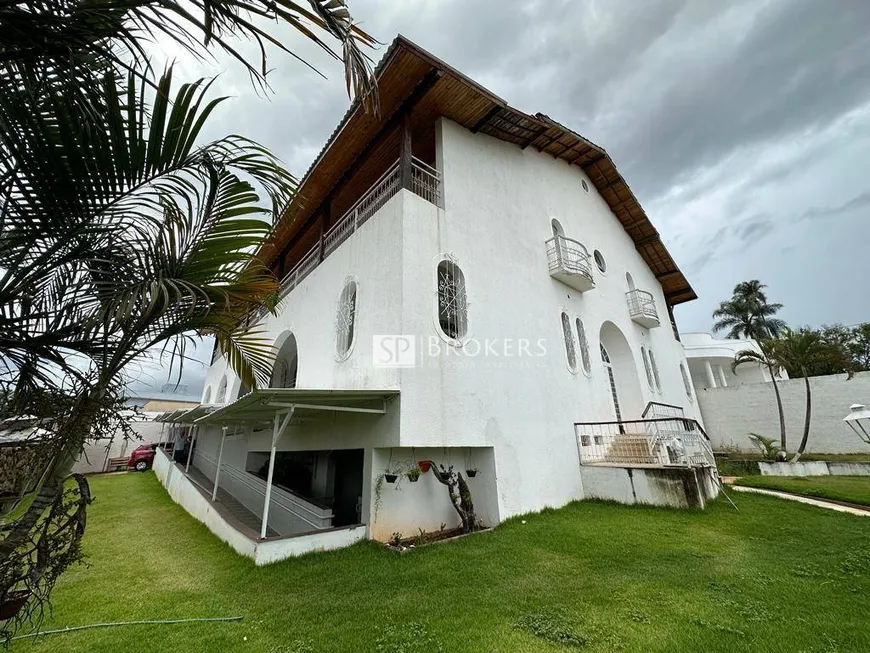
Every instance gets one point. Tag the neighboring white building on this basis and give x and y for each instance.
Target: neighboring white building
(535, 291)
(710, 361)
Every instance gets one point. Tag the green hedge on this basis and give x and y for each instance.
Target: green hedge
(730, 467)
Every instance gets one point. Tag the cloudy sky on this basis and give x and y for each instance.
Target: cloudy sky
(742, 126)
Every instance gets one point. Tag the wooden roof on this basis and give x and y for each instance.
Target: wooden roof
(409, 77)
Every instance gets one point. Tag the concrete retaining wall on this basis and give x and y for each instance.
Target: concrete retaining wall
(731, 413)
(676, 487)
(814, 468)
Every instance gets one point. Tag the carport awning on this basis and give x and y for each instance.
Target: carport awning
(263, 405)
(171, 416)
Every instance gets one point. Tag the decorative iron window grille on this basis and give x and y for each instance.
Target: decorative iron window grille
(655, 370)
(686, 383)
(222, 391)
(647, 368)
(568, 336)
(584, 346)
(452, 300)
(345, 319)
(286, 377)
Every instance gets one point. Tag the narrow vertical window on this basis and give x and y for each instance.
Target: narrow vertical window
(206, 398)
(345, 319)
(569, 343)
(686, 383)
(221, 391)
(584, 346)
(655, 370)
(452, 300)
(646, 366)
(605, 358)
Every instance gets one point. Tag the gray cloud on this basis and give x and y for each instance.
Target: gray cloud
(741, 126)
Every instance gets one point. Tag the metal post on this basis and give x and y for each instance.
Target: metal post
(217, 471)
(711, 380)
(278, 428)
(406, 156)
(190, 451)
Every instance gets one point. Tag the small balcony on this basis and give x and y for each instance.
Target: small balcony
(570, 263)
(642, 308)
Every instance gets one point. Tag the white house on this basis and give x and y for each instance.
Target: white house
(463, 283)
(710, 361)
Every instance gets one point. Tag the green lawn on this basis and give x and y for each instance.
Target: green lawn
(775, 576)
(854, 489)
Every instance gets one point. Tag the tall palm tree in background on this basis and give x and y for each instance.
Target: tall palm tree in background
(119, 232)
(800, 351)
(748, 314)
(768, 358)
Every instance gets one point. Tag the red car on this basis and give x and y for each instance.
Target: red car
(143, 456)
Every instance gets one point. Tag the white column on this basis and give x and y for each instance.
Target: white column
(711, 380)
(722, 381)
(217, 471)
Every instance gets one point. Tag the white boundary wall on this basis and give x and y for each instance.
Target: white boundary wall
(731, 413)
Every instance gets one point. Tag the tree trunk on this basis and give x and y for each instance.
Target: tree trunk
(460, 495)
(809, 412)
(782, 443)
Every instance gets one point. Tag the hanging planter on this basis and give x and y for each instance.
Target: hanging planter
(391, 478)
(13, 603)
(424, 465)
(471, 473)
(414, 475)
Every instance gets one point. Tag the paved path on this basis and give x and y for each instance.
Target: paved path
(819, 503)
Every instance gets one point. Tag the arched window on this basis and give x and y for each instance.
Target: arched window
(221, 391)
(605, 358)
(686, 383)
(452, 300)
(345, 319)
(557, 228)
(646, 365)
(629, 281)
(286, 365)
(655, 370)
(206, 398)
(569, 343)
(584, 346)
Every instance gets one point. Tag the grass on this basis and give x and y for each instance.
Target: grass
(853, 489)
(776, 576)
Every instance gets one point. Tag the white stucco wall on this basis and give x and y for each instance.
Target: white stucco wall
(730, 414)
(499, 203)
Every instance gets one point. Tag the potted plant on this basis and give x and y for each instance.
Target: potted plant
(414, 474)
(424, 465)
(390, 477)
(471, 473)
(12, 603)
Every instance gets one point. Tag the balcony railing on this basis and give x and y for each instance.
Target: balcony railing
(570, 263)
(642, 308)
(425, 182)
(660, 441)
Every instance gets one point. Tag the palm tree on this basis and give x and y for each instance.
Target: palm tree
(158, 251)
(748, 314)
(800, 351)
(766, 357)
